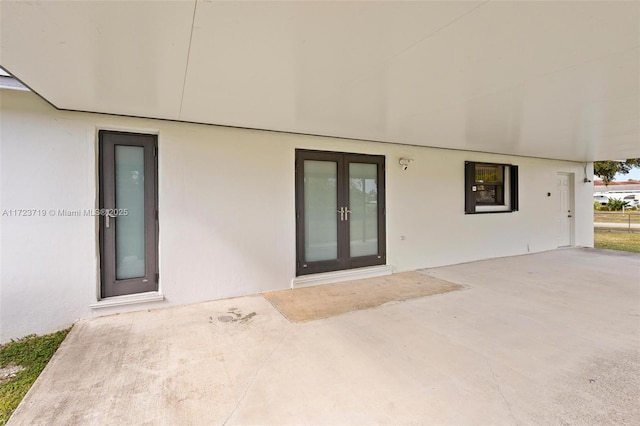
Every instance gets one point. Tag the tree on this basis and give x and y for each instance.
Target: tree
(608, 169)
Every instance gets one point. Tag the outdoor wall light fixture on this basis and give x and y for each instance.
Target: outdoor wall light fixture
(586, 179)
(404, 162)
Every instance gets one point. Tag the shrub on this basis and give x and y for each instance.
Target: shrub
(616, 204)
(597, 206)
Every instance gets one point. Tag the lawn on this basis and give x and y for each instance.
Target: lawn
(617, 240)
(21, 361)
(616, 217)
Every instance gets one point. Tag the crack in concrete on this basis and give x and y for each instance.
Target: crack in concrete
(253, 379)
(495, 378)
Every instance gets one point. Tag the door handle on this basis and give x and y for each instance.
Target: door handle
(344, 213)
(107, 217)
(569, 216)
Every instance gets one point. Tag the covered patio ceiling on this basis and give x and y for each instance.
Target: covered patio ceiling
(557, 79)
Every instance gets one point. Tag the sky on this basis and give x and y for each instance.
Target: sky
(633, 174)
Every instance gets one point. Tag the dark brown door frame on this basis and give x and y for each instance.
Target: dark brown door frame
(344, 260)
(110, 286)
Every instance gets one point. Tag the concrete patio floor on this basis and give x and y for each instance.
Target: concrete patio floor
(549, 338)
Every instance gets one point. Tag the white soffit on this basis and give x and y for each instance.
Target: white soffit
(555, 79)
(120, 57)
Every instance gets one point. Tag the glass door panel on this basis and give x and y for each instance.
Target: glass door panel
(363, 206)
(130, 241)
(320, 210)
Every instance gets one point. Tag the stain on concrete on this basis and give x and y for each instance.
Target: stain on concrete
(235, 316)
(248, 317)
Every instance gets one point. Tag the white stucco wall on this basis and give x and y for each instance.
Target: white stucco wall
(226, 203)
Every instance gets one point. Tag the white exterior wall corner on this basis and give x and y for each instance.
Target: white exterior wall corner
(227, 211)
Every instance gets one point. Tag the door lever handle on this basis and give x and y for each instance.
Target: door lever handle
(341, 211)
(346, 213)
(107, 217)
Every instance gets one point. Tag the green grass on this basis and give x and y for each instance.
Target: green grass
(617, 240)
(31, 352)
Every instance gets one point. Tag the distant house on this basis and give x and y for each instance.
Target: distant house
(177, 152)
(618, 186)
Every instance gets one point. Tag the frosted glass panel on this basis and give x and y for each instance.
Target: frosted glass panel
(320, 210)
(130, 250)
(363, 203)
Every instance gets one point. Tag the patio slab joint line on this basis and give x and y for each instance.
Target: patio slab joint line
(495, 378)
(253, 379)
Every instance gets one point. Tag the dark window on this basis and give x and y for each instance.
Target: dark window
(489, 183)
(490, 188)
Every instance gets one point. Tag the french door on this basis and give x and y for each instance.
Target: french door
(340, 211)
(128, 213)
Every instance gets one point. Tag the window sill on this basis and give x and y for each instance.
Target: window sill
(491, 212)
(493, 208)
(129, 299)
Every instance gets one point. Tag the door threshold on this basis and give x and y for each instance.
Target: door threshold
(338, 276)
(128, 299)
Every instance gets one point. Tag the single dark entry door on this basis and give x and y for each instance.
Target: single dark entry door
(340, 211)
(128, 213)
